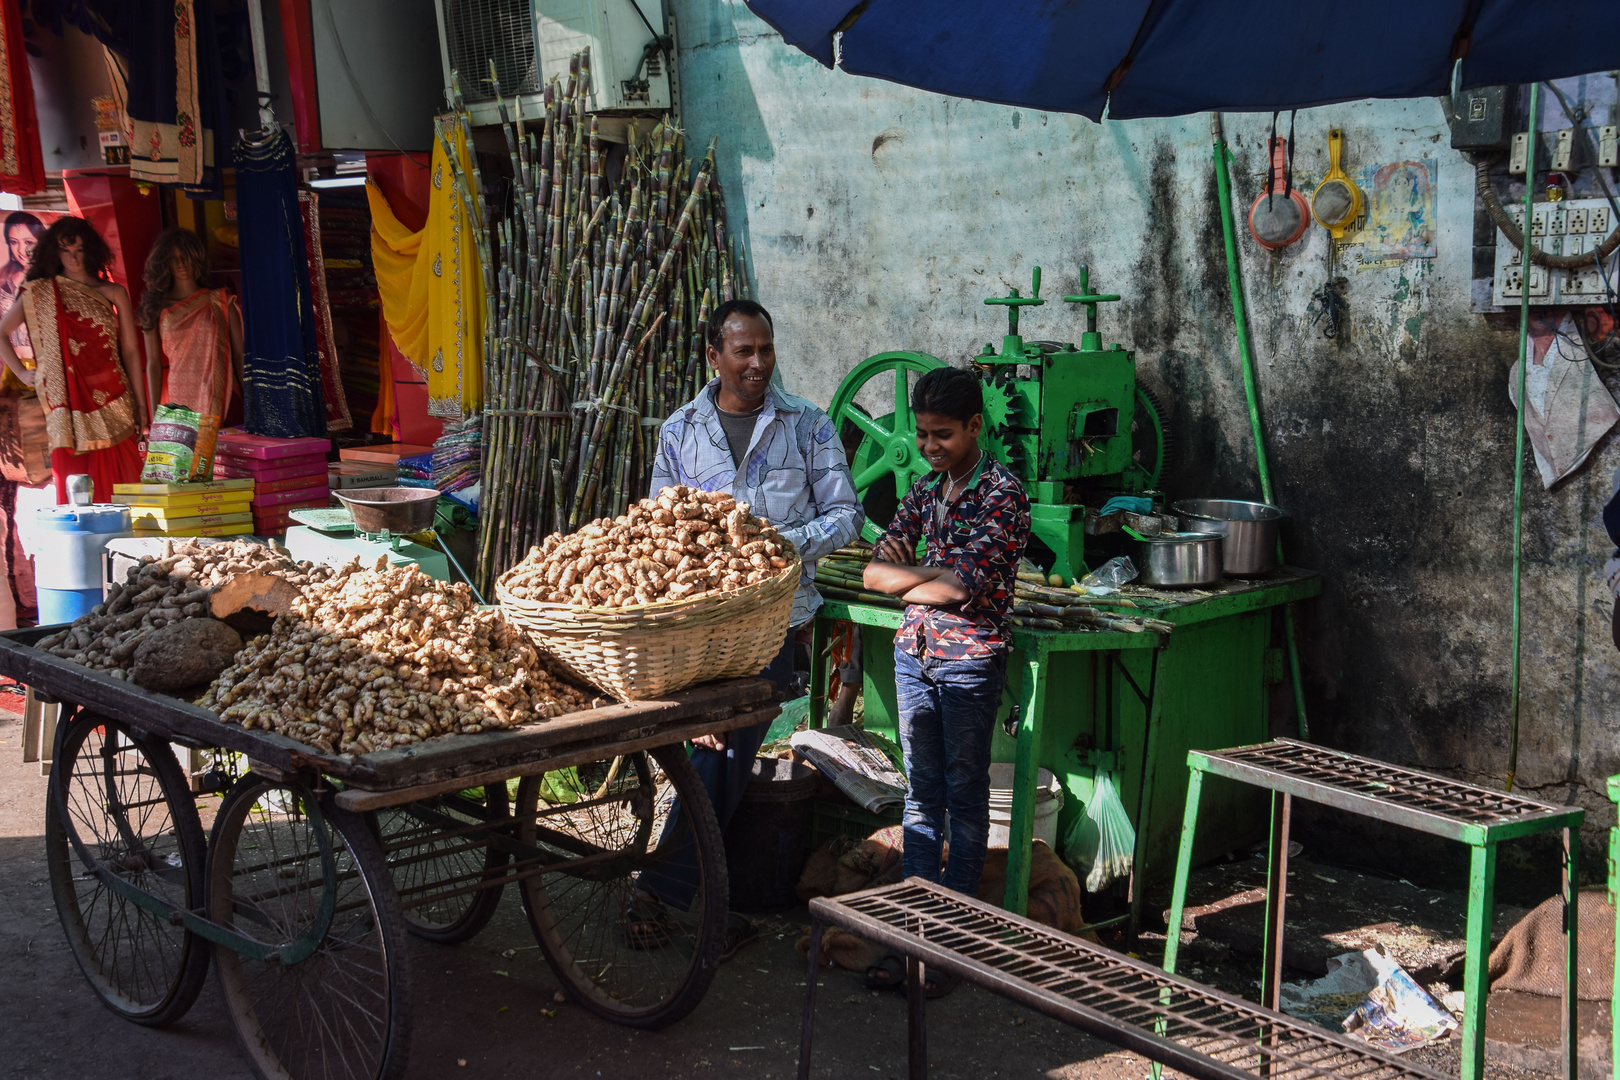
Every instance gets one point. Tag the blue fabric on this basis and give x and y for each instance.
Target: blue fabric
(947, 717)
(1135, 504)
(725, 775)
(282, 392)
(1176, 57)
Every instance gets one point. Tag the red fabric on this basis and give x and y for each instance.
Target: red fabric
(332, 395)
(120, 464)
(298, 41)
(22, 168)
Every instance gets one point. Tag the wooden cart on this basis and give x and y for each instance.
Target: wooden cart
(316, 865)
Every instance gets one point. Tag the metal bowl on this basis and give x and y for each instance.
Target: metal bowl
(1179, 560)
(397, 510)
(1250, 529)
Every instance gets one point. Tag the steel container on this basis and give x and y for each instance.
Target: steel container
(1250, 529)
(1179, 560)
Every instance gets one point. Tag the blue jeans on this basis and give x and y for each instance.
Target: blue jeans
(673, 875)
(947, 715)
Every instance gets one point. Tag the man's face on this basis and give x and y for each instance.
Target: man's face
(744, 362)
(20, 243)
(945, 442)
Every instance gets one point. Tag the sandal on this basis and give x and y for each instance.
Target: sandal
(739, 934)
(889, 973)
(648, 924)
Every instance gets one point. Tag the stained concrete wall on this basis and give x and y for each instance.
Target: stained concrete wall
(879, 217)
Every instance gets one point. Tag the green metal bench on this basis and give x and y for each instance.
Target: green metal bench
(1438, 805)
(1171, 1021)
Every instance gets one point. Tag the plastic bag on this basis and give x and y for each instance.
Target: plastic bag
(1110, 576)
(180, 446)
(1116, 838)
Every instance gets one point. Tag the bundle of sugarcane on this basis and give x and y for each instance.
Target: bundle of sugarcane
(598, 294)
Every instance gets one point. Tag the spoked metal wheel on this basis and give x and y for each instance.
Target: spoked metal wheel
(614, 921)
(442, 861)
(318, 985)
(887, 456)
(125, 849)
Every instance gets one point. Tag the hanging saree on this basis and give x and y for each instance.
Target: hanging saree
(22, 168)
(89, 409)
(432, 285)
(280, 357)
(196, 340)
(174, 96)
(337, 402)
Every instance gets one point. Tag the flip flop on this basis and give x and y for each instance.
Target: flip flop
(647, 923)
(889, 973)
(739, 934)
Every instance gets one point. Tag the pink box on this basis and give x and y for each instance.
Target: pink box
(301, 496)
(234, 442)
(271, 469)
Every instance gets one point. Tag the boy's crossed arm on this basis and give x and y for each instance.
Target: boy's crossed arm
(893, 570)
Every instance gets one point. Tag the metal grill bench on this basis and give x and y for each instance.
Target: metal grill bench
(1133, 1005)
(1437, 805)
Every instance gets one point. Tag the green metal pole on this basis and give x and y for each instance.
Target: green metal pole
(1518, 444)
(1178, 891)
(1476, 965)
(1026, 769)
(1240, 317)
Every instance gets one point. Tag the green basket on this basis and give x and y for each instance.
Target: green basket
(830, 819)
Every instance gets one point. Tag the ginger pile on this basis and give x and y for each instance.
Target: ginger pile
(683, 544)
(164, 589)
(380, 658)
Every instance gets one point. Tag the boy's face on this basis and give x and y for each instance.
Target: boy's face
(946, 442)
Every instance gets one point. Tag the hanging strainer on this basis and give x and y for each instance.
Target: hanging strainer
(1280, 214)
(1336, 203)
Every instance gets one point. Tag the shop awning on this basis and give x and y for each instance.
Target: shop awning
(1174, 57)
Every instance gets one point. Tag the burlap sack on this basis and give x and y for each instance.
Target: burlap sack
(1531, 956)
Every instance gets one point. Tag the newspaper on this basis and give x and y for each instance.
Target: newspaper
(851, 760)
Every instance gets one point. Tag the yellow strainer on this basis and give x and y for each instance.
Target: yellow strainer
(1336, 202)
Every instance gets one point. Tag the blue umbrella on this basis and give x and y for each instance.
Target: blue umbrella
(1173, 57)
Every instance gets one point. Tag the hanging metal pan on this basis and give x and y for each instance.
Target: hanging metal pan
(1337, 201)
(1280, 214)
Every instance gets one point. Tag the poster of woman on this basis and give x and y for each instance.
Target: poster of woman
(21, 230)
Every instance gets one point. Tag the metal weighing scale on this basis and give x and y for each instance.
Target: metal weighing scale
(375, 523)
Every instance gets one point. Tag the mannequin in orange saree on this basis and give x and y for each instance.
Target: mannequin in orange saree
(193, 333)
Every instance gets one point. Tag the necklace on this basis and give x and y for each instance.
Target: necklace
(943, 506)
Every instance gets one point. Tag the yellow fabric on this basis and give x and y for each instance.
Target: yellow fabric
(432, 286)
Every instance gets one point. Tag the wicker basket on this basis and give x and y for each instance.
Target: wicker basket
(642, 652)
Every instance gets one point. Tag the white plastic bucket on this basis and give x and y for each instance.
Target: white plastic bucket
(1048, 801)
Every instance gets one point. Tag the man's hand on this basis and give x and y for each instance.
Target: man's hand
(891, 550)
(711, 742)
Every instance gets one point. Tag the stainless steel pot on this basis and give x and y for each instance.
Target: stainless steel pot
(1179, 560)
(1250, 529)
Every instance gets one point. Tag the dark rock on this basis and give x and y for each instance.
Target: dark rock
(191, 652)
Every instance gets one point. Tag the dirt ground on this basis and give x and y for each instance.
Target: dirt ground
(487, 1006)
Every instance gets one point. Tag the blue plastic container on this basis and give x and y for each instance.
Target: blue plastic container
(67, 543)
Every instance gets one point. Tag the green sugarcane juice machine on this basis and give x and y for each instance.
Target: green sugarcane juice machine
(1075, 426)
(1071, 423)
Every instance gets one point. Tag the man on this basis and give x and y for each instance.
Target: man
(780, 454)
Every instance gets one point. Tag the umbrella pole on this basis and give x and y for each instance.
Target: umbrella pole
(1240, 318)
(1518, 446)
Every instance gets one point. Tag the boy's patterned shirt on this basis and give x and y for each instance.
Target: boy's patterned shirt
(981, 539)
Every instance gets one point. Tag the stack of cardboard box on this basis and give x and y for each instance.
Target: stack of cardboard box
(220, 508)
(287, 475)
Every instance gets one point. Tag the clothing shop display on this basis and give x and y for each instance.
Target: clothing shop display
(172, 93)
(279, 353)
(337, 405)
(196, 338)
(432, 287)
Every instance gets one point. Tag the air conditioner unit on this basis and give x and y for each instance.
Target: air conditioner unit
(530, 43)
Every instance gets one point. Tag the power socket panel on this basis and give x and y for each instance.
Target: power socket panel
(1571, 227)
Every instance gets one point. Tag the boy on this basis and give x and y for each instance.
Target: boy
(950, 654)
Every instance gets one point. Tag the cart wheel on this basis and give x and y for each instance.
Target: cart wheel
(308, 1003)
(123, 805)
(438, 860)
(600, 828)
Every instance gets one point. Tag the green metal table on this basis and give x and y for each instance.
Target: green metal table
(1438, 805)
(1082, 702)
